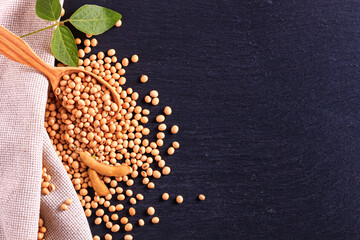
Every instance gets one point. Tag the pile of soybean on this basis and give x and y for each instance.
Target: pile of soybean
(84, 120)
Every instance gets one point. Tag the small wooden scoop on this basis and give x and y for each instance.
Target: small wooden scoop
(12, 47)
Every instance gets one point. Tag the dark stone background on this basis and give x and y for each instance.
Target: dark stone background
(266, 94)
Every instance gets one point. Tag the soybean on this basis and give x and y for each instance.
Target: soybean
(201, 197)
(179, 199)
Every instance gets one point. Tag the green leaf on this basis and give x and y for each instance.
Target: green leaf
(93, 19)
(63, 46)
(48, 9)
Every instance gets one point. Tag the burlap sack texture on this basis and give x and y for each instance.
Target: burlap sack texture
(25, 145)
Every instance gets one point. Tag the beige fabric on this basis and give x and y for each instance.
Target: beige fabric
(24, 143)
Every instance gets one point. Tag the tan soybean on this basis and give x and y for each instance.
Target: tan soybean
(179, 199)
(174, 129)
(134, 58)
(165, 196)
(63, 207)
(151, 211)
(155, 220)
(201, 197)
(128, 237)
(144, 78)
(167, 110)
(118, 23)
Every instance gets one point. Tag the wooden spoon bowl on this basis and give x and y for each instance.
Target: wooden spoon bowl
(14, 48)
(61, 71)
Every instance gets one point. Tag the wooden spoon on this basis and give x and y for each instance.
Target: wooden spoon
(14, 48)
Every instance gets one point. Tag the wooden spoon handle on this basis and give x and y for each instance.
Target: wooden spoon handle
(12, 47)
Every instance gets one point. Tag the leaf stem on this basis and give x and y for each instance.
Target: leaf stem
(51, 26)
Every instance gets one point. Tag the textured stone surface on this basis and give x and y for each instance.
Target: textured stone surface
(266, 94)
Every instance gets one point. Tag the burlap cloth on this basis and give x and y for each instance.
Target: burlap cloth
(25, 145)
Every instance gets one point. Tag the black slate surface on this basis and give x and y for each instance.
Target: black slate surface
(266, 94)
